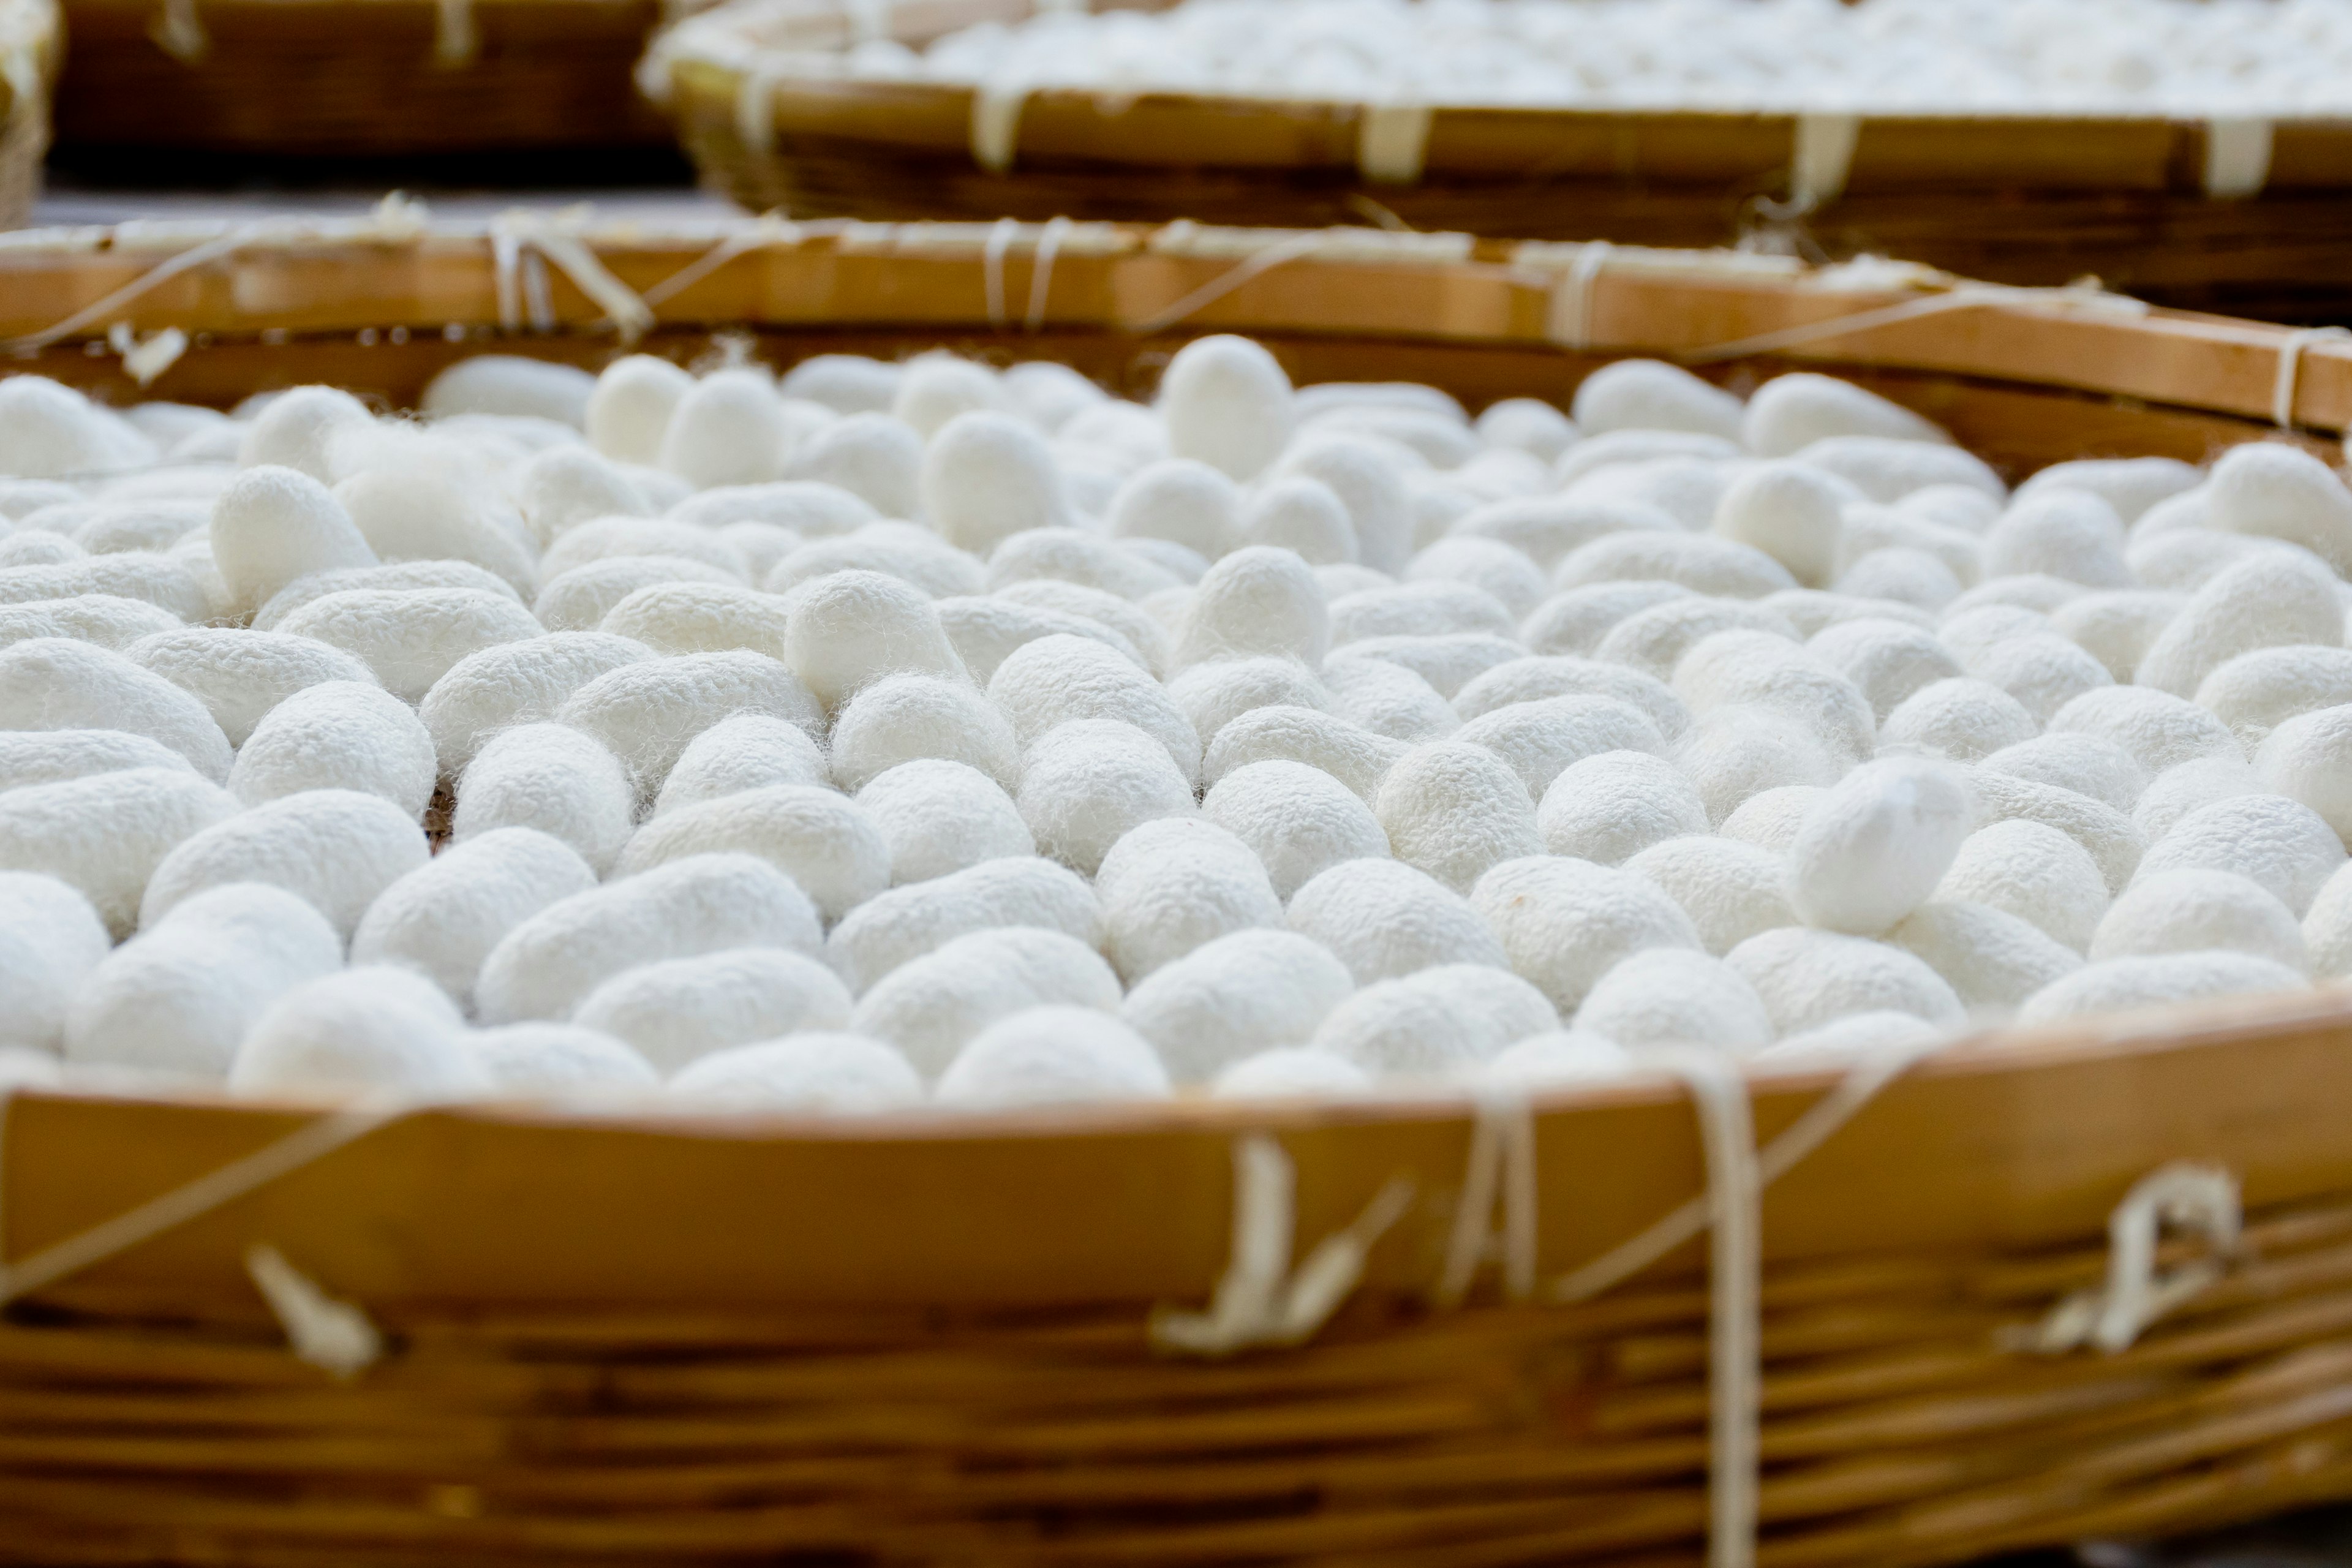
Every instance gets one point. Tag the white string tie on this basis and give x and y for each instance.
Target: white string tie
(456, 37)
(2287, 384)
(2199, 1199)
(1392, 141)
(996, 123)
(769, 228)
(755, 102)
(180, 33)
(520, 237)
(1822, 158)
(162, 272)
(333, 1335)
(1260, 1301)
(2237, 157)
(2087, 296)
(1263, 261)
(1041, 271)
(1570, 322)
(1001, 235)
(1502, 1167)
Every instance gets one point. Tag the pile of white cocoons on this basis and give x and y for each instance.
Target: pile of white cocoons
(884, 735)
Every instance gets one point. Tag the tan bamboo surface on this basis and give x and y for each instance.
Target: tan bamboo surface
(646, 1340)
(2035, 200)
(30, 43)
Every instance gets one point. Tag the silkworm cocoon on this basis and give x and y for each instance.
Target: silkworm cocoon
(1446, 662)
(2157, 728)
(339, 848)
(1869, 528)
(2038, 592)
(1674, 996)
(1175, 884)
(1050, 393)
(21, 497)
(1347, 752)
(1388, 699)
(58, 683)
(1441, 1021)
(515, 683)
(1650, 395)
(2184, 559)
(847, 384)
(1439, 439)
(1055, 679)
(1617, 448)
(852, 628)
(1763, 670)
(103, 833)
(1215, 694)
(1288, 1072)
(1993, 960)
(934, 388)
(2042, 670)
(50, 942)
(2256, 692)
(907, 922)
(2120, 984)
(1889, 468)
(2130, 485)
(100, 618)
(1873, 848)
(1687, 490)
(565, 487)
(2117, 629)
(1770, 819)
(729, 428)
(750, 750)
(2108, 835)
(1453, 809)
(1576, 622)
(1540, 676)
(1887, 660)
(1610, 805)
(2282, 843)
(646, 712)
(1227, 403)
(410, 514)
(1366, 475)
(629, 410)
(338, 734)
(511, 384)
(1962, 717)
(1809, 1050)
(52, 756)
(1528, 423)
(986, 477)
(298, 428)
(680, 1010)
(553, 778)
(931, 1006)
(804, 507)
(2085, 764)
(560, 1061)
(2327, 928)
(1736, 753)
(444, 918)
(1808, 978)
(2309, 759)
(545, 966)
(1053, 1056)
(819, 1072)
(763, 544)
(2065, 533)
(239, 675)
(1903, 573)
(1133, 625)
(1418, 609)
(1538, 739)
(1654, 640)
(1255, 601)
(2277, 491)
(1300, 514)
(33, 547)
(1296, 819)
(1338, 581)
(1234, 996)
(272, 525)
(1546, 528)
(394, 577)
(1789, 413)
(1559, 1059)
(140, 525)
(53, 432)
(410, 641)
(155, 580)
(179, 998)
(579, 600)
(611, 538)
(1792, 512)
(1731, 890)
(1068, 555)
(1086, 783)
(1508, 575)
(1181, 502)
(983, 632)
(902, 716)
(1564, 923)
(817, 836)
(362, 1029)
(872, 456)
(2200, 910)
(1701, 563)
(2267, 601)
(700, 617)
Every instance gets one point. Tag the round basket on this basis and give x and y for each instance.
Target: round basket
(345, 78)
(1400, 1331)
(2241, 216)
(29, 46)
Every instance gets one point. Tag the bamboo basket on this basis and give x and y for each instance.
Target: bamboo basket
(643, 1339)
(2248, 217)
(356, 78)
(30, 46)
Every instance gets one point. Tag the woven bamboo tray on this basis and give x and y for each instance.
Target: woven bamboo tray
(30, 46)
(2251, 218)
(923, 1339)
(343, 79)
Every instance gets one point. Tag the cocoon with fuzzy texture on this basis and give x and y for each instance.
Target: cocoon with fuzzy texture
(57, 683)
(1992, 960)
(1674, 996)
(2266, 601)
(560, 1061)
(1873, 848)
(700, 617)
(1789, 413)
(444, 918)
(1539, 738)
(1770, 819)
(987, 476)
(410, 641)
(825, 1073)
(1534, 679)
(1068, 555)
(1564, 923)
(1053, 1056)
(157, 580)
(2120, 984)
(984, 632)
(1387, 699)
(934, 389)
(2032, 870)
(1301, 515)
(1453, 809)
(729, 428)
(2083, 764)
(1701, 563)
(1234, 996)
(2256, 692)
(515, 683)
(398, 576)
(106, 619)
(1173, 885)
(750, 750)
(1792, 512)
(1735, 753)
(1651, 394)
(905, 923)
(1086, 783)
(932, 1007)
(1227, 403)
(338, 734)
(238, 675)
(1297, 820)
(1961, 718)
(2114, 842)
(105, 834)
(617, 538)
(817, 836)
(851, 628)
(706, 903)
(1213, 695)
(2185, 787)
(2282, 843)
(906, 550)
(299, 429)
(1886, 660)
(1382, 920)
(579, 599)
(1255, 601)
(2197, 911)
(1346, 750)
(647, 713)
(901, 717)
(1654, 640)
(938, 817)
(872, 456)
(1417, 609)
(339, 848)
(50, 941)
(1054, 681)
(2157, 728)
(1613, 805)
(1731, 890)
(361, 1030)
(1809, 978)
(1290, 1071)
(416, 514)
(565, 487)
(1129, 621)
(629, 410)
(272, 525)
(512, 385)
(52, 756)
(2276, 491)
(678, 1011)
(2069, 534)
(1438, 1022)
(179, 999)
(1366, 478)
(553, 778)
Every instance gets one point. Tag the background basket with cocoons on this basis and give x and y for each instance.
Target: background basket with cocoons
(30, 43)
(2201, 214)
(664, 1338)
